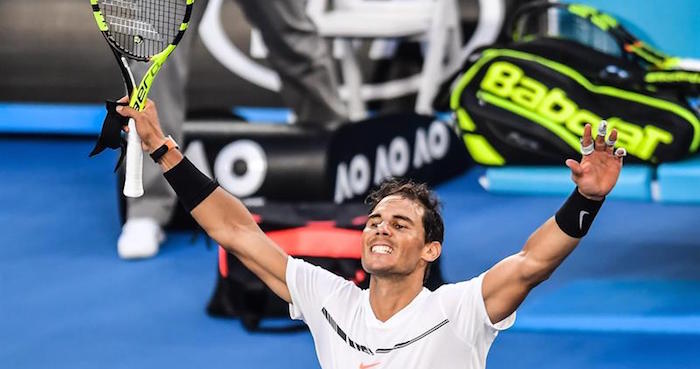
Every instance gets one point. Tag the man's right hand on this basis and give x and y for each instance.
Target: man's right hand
(147, 124)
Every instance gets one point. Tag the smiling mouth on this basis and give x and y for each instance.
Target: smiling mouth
(381, 249)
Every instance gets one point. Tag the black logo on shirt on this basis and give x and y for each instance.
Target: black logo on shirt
(364, 348)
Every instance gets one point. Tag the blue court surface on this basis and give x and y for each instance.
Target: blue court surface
(628, 297)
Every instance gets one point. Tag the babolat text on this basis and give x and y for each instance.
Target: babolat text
(506, 85)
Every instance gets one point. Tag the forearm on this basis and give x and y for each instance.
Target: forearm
(219, 213)
(228, 222)
(225, 218)
(558, 236)
(545, 250)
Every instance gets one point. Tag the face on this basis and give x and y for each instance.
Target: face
(393, 241)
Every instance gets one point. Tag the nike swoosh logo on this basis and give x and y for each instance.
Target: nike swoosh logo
(580, 218)
(363, 366)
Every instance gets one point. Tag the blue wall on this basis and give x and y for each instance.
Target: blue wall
(670, 25)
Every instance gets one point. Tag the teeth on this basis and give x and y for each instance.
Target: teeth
(381, 249)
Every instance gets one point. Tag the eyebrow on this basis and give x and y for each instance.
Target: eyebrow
(401, 217)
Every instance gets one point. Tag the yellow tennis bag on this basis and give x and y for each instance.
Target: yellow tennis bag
(526, 102)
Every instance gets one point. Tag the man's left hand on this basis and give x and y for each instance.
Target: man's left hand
(600, 167)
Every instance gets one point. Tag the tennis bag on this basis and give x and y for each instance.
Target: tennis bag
(323, 234)
(527, 101)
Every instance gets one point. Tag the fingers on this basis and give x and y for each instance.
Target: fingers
(610, 141)
(620, 153)
(126, 111)
(130, 112)
(121, 112)
(587, 141)
(587, 138)
(575, 167)
(600, 138)
(601, 143)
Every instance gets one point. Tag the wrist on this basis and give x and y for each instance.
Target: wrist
(153, 142)
(170, 160)
(576, 216)
(167, 145)
(590, 197)
(190, 185)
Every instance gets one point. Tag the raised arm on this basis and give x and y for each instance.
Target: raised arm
(222, 216)
(506, 284)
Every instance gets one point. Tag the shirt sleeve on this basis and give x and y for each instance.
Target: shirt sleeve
(464, 305)
(309, 286)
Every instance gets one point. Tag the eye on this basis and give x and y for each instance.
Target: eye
(399, 226)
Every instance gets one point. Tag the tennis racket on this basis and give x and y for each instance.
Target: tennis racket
(144, 31)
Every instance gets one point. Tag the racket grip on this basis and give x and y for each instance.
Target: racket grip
(133, 184)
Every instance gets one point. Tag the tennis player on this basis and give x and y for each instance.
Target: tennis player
(396, 323)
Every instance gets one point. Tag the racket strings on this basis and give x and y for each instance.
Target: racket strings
(143, 28)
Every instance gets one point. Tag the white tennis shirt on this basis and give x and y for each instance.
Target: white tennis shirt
(447, 328)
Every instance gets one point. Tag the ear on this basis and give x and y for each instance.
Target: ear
(431, 251)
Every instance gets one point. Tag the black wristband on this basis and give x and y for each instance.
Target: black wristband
(190, 185)
(159, 153)
(576, 215)
(163, 149)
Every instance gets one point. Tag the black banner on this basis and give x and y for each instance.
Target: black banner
(363, 154)
(292, 163)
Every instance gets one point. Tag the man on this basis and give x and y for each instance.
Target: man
(396, 323)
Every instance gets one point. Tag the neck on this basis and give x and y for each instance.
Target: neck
(389, 294)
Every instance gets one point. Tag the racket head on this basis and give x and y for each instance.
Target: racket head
(141, 29)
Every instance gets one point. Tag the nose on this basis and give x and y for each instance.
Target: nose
(383, 229)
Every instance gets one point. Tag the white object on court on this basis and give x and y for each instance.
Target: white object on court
(140, 239)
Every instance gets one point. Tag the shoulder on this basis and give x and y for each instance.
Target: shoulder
(302, 275)
(298, 267)
(464, 302)
(460, 289)
(460, 298)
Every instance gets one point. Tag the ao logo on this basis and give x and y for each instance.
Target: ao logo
(240, 167)
(394, 160)
(219, 45)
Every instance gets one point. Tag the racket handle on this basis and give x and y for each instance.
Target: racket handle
(133, 184)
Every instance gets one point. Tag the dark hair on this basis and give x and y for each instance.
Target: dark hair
(419, 192)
